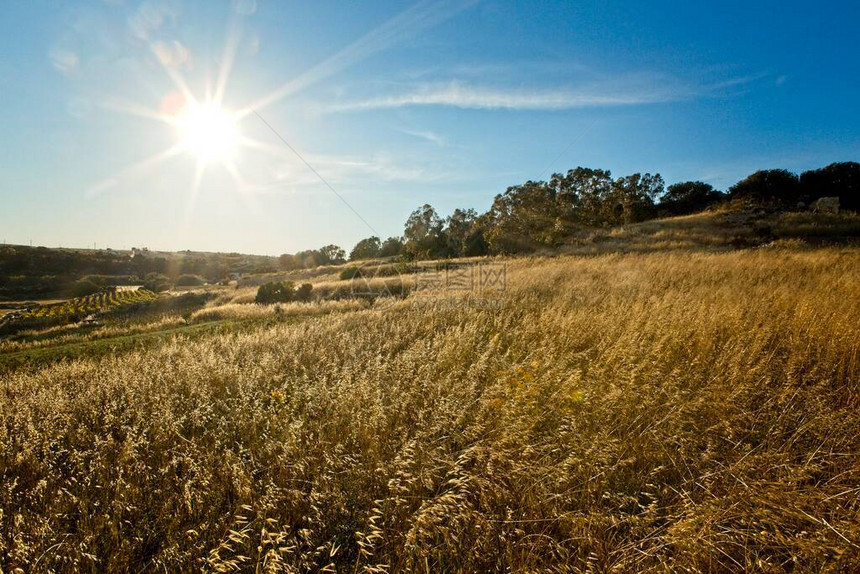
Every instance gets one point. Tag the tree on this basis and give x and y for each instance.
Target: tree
(768, 186)
(288, 262)
(524, 219)
(365, 249)
(423, 234)
(464, 234)
(840, 180)
(275, 292)
(632, 198)
(581, 195)
(308, 258)
(332, 255)
(391, 247)
(688, 197)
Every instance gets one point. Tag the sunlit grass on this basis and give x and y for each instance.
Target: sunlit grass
(650, 412)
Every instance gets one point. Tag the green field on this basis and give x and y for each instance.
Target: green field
(98, 302)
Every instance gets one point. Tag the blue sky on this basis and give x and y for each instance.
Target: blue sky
(395, 105)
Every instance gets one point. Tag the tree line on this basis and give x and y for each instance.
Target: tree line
(541, 214)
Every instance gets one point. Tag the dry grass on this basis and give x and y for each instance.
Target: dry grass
(252, 311)
(63, 334)
(626, 413)
(724, 228)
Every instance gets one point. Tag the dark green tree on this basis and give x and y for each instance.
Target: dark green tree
(423, 234)
(332, 255)
(772, 186)
(391, 247)
(365, 249)
(840, 180)
(632, 198)
(688, 197)
(464, 234)
(523, 219)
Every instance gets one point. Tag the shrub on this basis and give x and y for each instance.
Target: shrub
(189, 281)
(156, 282)
(350, 273)
(304, 292)
(276, 292)
(84, 287)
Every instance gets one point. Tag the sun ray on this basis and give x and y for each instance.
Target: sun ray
(246, 192)
(175, 77)
(191, 204)
(420, 16)
(237, 177)
(138, 110)
(251, 143)
(226, 63)
(136, 168)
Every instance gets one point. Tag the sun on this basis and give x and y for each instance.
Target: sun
(208, 132)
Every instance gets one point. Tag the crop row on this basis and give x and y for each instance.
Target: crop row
(90, 304)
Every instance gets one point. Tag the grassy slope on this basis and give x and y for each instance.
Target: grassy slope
(726, 229)
(49, 353)
(661, 411)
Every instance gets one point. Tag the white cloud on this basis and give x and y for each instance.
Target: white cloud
(455, 94)
(406, 25)
(64, 61)
(637, 89)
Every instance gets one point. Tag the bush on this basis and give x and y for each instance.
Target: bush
(303, 293)
(350, 273)
(84, 287)
(189, 281)
(276, 292)
(156, 282)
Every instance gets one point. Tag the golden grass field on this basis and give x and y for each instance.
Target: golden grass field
(650, 412)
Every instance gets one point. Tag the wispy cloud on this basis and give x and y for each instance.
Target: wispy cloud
(64, 61)
(639, 90)
(421, 16)
(346, 173)
(429, 136)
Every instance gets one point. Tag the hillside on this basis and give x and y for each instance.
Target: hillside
(664, 402)
(721, 229)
